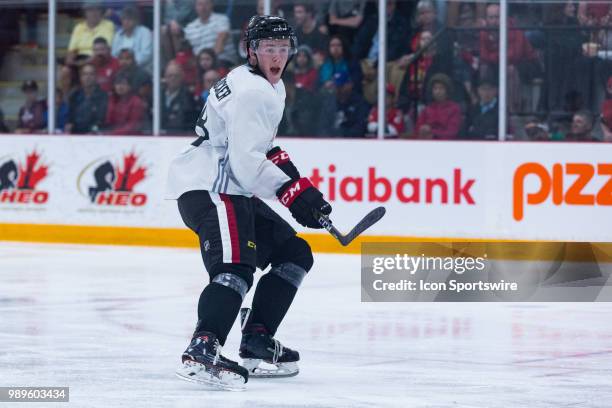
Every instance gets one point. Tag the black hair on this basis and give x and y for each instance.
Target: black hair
(100, 40)
(130, 12)
(308, 7)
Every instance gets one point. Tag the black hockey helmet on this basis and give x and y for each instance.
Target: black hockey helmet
(269, 28)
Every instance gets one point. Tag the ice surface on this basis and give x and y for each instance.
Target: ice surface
(111, 323)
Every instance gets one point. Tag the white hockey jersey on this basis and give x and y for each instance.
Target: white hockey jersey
(236, 129)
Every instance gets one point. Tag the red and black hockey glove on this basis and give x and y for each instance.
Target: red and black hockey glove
(303, 200)
(282, 160)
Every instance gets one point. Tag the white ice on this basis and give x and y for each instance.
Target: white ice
(111, 323)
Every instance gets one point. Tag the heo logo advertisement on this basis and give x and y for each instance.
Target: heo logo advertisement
(19, 180)
(583, 184)
(109, 184)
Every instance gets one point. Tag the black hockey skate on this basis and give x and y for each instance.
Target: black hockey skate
(204, 364)
(262, 355)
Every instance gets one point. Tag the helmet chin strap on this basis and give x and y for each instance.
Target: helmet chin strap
(287, 64)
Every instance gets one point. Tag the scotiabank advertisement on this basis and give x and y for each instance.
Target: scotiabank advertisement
(523, 191)
(532, 191)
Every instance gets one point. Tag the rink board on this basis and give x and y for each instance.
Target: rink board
(111, 190)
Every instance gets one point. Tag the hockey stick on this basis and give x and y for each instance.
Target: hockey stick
(366, 222)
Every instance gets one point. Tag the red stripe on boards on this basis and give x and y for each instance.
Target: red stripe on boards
(233, 227)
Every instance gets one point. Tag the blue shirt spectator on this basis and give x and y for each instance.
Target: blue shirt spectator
(344, 113)
(135, 37)
(61, 112)
(335, 62)
(87, 105)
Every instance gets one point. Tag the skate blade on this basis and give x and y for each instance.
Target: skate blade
(280, 370)
(197, 373)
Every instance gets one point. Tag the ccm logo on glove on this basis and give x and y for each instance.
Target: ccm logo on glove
(282, 160)
(280, 157)
(295, 189)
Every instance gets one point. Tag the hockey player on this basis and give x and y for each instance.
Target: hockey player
(218, 182)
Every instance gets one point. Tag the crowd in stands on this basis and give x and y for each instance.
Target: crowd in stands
(442, 69)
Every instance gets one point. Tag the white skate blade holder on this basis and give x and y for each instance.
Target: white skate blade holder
(261, 369)
(223, 380)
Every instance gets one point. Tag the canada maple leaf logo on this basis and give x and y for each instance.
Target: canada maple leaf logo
(32, 173)
(130, 175)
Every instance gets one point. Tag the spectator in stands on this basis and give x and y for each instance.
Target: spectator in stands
(482, 121)
(412, 72)
(176, 15)
(106, 65)
(137, 76)
(564, 49)
(594, 13)
(178, 115)
(61, 112)
(345, 17)
(126, 110)
(366, 40)
(87, 105)
(366, 46)
(208, 80)
(140, 83)
(68, 80)
(185, 58)
(536, 130)
(416, 70)
(338, 60)
(210, 77)
(344, 113)
(522, 58)
(395, 117)
(301, 114)
(207, 61)
(582, 128)
(304, 71)
(442, 118)
(426, 19)
(31, 114)
(3, 127)
(211, 30)
(134, 36)
(309, 32)
(606, 113)
(467, 40)
(420, 71)
(84, 33)
(591, 69)
(465, 52)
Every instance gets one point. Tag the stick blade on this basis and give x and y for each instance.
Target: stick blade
(366, 222)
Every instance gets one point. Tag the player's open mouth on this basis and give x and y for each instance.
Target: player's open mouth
(275, 70)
